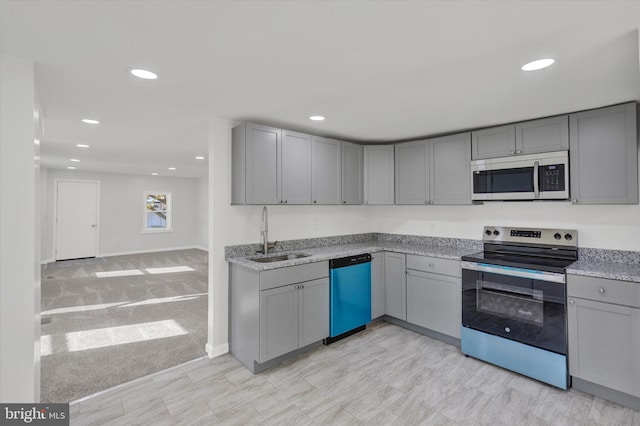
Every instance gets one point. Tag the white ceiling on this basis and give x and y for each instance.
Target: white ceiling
(378, 70)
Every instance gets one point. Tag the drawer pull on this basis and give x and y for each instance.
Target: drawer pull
(601, 290)
(572, 301)
(431, 265)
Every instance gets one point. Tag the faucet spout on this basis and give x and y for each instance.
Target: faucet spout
(265, 230)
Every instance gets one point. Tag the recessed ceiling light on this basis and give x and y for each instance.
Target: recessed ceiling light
(199, 158)
(154, 174)
(90, 121)
(71, 168)
(538, 64)
(316, 118)
(172, 168)
(81, 145)
(75, 160)
(144, 74)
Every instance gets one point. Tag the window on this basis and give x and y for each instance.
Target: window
(157, 211)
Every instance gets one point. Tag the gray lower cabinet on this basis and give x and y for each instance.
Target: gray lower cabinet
(292, 317)
(379, 174)
(434, 294)
(326, 166)
(604, 332)
(377, 285)
(395, 274)
(275, 312)
(351, 173)
(604, 155)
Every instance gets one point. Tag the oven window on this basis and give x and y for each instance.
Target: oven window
(503, 181)
(522, 309)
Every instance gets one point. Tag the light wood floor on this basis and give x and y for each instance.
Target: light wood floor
(385, 375)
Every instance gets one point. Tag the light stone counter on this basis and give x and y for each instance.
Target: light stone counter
(603, 269)
(318, 254)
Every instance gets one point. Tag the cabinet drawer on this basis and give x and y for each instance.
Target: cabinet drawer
(604, 290)
(293, 274)
(434, 265)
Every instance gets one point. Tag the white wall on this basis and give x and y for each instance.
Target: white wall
(202, 213)
(121, 212)
(19, 225)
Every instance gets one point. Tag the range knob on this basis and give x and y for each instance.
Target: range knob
(568, 237)
(557, 236)
(488, 232)
(496, 232)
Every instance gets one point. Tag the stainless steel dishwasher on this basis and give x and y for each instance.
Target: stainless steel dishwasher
(349, 295)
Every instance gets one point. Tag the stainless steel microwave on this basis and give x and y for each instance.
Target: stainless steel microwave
(542, 176)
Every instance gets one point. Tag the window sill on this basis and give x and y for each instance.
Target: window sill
(156, 231)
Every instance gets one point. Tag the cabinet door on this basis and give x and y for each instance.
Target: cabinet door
(395, 285)
(278, 321)
(325, 168)
(544, 135)
(434, 302)
(378, 174)
(450, 173)
(412, 173)
(494, 142)
(262, 164)
(377, 285)
(351, 173)
(296, 168)
(604, 344)
(313, 297)
(604, 156)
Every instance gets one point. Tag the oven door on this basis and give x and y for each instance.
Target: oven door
(525, 305)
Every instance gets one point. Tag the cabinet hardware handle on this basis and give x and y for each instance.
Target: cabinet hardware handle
(518, 152)
(431, 265)
(512, 152)
(574, 201)
(314, 201)
(601, 290)
(344, 202)
(571, 301)
(285, 201)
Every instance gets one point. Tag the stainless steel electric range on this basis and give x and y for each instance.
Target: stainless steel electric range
(514, 311)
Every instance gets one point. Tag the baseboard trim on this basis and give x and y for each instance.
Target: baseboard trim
(124, 253)
(203, 248)
(217, 351)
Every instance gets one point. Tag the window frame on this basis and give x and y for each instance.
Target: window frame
(168, 212)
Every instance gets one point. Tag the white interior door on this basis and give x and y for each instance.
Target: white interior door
(76, 219)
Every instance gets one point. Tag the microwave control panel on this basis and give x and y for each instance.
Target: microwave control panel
(552, 177)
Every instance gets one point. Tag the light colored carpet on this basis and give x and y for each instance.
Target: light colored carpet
(119, 318)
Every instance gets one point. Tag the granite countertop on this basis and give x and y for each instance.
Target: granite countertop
(319, 254)
(604, 269)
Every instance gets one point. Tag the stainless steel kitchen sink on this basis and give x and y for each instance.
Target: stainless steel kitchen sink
(279, 258)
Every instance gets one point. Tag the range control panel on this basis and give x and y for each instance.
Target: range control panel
(555, 237)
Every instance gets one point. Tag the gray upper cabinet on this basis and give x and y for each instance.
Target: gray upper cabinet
(544, 135)
(528, 137)
(494, 142)
(378, 174)
(296, 168)
(450, 157)
(395, 277)
(604, 332)
(326, 165)
(604, 155)
(351, 173)
(412, 172)
(256, 164)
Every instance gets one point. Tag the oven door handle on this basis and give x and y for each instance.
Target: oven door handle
(515, 272)
(536, 183)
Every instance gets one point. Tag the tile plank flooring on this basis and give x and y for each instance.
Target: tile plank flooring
(385, 375)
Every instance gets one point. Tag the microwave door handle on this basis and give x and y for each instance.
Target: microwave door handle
(536, 185)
